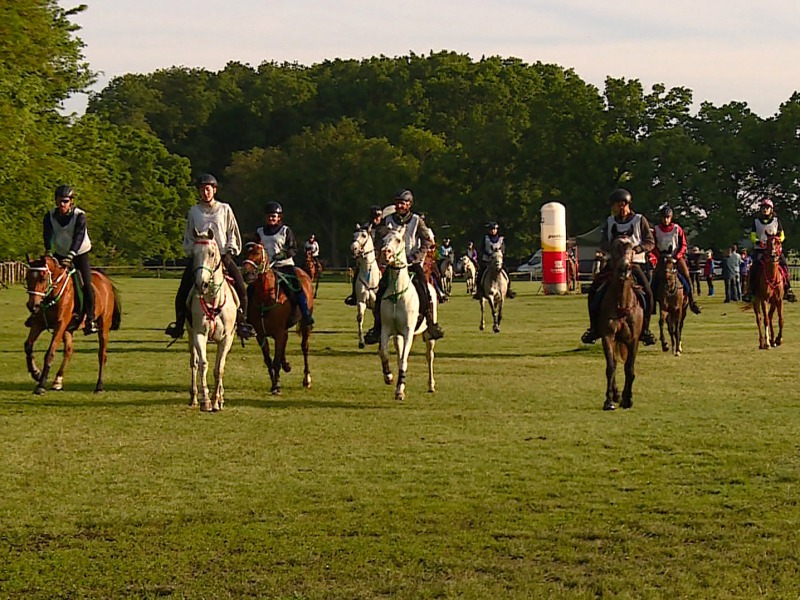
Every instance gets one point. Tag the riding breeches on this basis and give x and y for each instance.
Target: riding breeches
(81, 264)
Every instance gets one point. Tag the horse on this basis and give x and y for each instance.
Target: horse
(495, 286)
(620, 322)
(212, 305)
(369, 275)
(672, 302)
(467, 267)
(767, 292)
(446, 271)
(271, 313)
(400, 314)
(313, 267)
(51, 300)
(572, 274)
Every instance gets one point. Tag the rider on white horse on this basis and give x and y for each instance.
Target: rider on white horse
(280, 245)
(624, 222)
(418, 241)
(373, 226)
(210, 213)
(491, 243)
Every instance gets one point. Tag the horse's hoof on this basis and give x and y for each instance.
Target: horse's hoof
(58, 386)
(206, 406)
(276, 391)
(627, 403)
(307, 382)
(664, 348)
(286, 367)
(496, 329)
(481, 328)
(361, 345)
(387, 379)
(609, 405)
(400, 396)
(99, 389)
(39, 390)
(193, 403)
(431, 390)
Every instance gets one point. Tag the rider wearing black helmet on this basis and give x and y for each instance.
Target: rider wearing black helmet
(210, 213)
(419, 240)
(281, 247)
(624, 222)
(373, 227)
(65, 234)
(492, 241)
(669, 237)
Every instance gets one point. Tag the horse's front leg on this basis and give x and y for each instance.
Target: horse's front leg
(223, 347)
(779, 339)
(383, 353)
(49, 356)
(192, 371)
(279, 360)
(263, 342)
(661, 319)
(33, 335)
(612, 395)
(630, 375)
(403, 346)
(58, 382)
(771, 323)
(305, 333)
(483, 322)
(497, 313)
(761, 318)
(199, 342)
(361, 309)
(429, 345)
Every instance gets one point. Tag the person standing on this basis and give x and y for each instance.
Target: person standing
(210, 213)
(708, 271)
(694, 261)
(67, 237)
(744, 273)
(730, 274)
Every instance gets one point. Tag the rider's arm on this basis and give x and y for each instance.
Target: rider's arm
(234, 242)
(648, 241)
(188, 234)
(681, 243)
(78, 234)
(780, 230)
(290, 250)
(47, 229)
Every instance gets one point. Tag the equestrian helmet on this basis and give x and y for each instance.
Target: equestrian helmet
(65, 191)
(375, 211)
(766, 202)
(273, 208)
(404, 195)
(620, 195)
(666, 211)
(206, 179)
(492, 225)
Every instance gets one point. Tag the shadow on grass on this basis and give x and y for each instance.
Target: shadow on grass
(461, 355)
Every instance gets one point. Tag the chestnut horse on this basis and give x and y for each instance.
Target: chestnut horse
(51, 301)
(313, 267)
(672, 302)
(620, 322)
(271, 313)
(767, 294)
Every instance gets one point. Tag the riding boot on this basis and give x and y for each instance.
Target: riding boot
(647, 336)
(435, 330)
(302, 303)
(175, 329)
(510, 294)
(788, 294)
(373, 336)
(479, 284)
(351, 299)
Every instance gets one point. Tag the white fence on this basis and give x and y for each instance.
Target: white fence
(12, 272)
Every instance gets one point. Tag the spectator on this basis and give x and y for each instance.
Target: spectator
(693, 260)
(744, 272)
(708, 271)
(730, 274)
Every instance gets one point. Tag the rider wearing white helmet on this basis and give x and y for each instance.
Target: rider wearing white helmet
(491, 242)
(767, 223)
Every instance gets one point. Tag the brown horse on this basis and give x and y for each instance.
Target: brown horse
(767, 293)
(313, 267)
(572, 274)
(620, 323)
(672, 302)
(51, 301)
(271, 313)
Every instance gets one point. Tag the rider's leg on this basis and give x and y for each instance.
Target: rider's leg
(298, 295)
(425, 303)
(647, 336)
(243, 328)
(511, 294)
(589, 336)
(351, 299)
(683, 272)
(788, 294)
(373, 336)
(175, 329)
(81, 262)
(478, 282)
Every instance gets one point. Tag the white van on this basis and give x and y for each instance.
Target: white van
(533, 265)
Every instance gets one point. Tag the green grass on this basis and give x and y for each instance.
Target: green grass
(509, 482)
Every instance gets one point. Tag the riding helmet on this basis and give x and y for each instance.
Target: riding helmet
(404, 195)
(65, 191)
(492, 225)
(767, 202)
(666, 211)
(206, 179)
(273, 208)
(620, 195)
(375, 211)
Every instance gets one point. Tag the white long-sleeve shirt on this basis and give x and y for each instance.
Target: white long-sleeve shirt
(217, 216)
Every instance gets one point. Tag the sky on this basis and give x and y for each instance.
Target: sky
(723, 50)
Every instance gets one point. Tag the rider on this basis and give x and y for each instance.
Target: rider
(65, 234)
(281, 248)
(472, 254)
(210, 213)
(312, 246)
(765, 224)
(446, 250)
(418, 241)
(624, 221)
(372, 227)
(492, 242)
(669, 237)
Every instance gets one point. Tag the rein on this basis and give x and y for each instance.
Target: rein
(52, 291)
(210, 308)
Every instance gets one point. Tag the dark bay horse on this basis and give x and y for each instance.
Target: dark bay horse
(672, 302)
(313, 267)
(271, 313)
(767, 294)
(620, 323)
(51, 301)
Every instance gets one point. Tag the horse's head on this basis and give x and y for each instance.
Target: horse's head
(393, 252)
(621, 256)
(773, 248)
(206, 259)
(255, 261)
(39, 280)
(362, 243)
(496, 260)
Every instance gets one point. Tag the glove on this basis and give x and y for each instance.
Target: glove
(66, 262)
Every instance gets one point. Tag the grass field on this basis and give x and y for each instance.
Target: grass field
(509, 482)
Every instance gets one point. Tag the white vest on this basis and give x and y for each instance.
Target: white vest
(414, 229)
(275, 244)
(632, 229)
(62, 236)
(490, 247)
(765, 229)
(667, 239)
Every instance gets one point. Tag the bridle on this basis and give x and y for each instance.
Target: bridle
(57, 285)
(262, 265)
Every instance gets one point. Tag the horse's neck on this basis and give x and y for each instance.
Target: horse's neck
(624, 289)
(399, 280)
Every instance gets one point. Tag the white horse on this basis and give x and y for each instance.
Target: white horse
(467, 267)
(213, 304)
(494, 285)
(369, 275)
(400, 311)
(446, 269)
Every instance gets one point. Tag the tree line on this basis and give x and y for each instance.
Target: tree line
(477, 140)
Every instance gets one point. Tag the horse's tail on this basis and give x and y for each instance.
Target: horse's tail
(116, 317)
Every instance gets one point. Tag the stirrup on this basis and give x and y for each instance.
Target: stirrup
(648, 338)
(372, 336)
(308, 320)
(511, 294)
(245, 330)
(435, 331)
(789, 296)
(695, 308)
(90, 328)
(350, 300)
(589, 337)
(174, 330)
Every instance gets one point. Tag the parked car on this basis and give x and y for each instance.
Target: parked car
(533, 265)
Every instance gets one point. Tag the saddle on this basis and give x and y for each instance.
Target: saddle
(603, 279)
